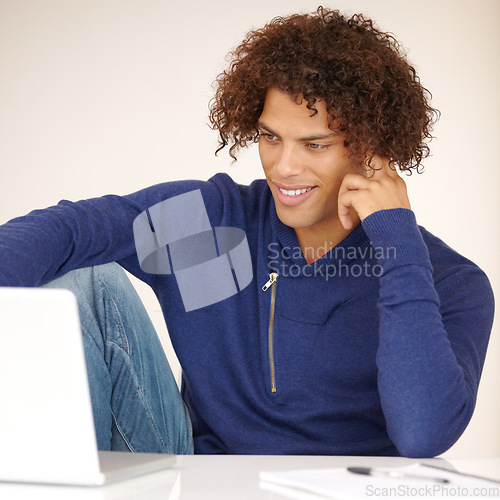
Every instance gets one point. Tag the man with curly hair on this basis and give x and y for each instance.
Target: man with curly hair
(357, 332)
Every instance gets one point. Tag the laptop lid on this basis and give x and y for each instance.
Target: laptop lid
(46, 424)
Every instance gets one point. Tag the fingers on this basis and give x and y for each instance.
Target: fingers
(380, 188)
(349, 196)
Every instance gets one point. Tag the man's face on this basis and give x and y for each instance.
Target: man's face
(304, 162)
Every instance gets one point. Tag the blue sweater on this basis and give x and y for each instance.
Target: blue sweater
(375, 349)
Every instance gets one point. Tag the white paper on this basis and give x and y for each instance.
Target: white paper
(339, 483)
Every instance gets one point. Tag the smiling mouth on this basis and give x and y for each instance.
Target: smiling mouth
(294, 192)
(293, 197)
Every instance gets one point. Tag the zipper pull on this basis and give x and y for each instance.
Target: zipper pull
(272, 278)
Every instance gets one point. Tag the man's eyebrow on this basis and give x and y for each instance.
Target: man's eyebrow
(265, 127)
(313, 137)
(318, 137)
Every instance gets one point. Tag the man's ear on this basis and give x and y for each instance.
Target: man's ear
(368, 163)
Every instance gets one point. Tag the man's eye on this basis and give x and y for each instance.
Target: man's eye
(270, 137)
(315, 146)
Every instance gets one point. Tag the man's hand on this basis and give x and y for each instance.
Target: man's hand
(380, 188)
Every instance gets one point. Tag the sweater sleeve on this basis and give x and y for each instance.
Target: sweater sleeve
(48, 243)
(45, 244)
(434, 331)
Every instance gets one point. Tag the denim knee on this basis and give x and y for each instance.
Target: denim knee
(126, 362)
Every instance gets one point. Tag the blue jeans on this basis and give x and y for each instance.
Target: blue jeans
(135, 399)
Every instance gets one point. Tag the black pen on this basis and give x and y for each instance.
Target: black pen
(394, 474)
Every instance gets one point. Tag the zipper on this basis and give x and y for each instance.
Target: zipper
(271, 283)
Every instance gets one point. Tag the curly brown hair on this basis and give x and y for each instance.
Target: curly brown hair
(360, 73)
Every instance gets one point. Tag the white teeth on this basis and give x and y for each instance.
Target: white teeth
(294, 192)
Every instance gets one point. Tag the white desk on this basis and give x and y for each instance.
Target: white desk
(223, 477)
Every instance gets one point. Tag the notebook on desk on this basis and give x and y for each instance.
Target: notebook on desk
(46, 424)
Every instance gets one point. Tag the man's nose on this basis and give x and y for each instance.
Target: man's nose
(288, 162)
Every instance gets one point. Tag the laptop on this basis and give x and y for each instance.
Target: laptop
(46, 423)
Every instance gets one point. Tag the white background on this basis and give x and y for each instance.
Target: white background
(109, 96)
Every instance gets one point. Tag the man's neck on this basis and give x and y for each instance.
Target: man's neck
(316, 242)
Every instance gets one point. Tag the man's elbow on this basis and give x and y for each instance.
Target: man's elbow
(425, 444)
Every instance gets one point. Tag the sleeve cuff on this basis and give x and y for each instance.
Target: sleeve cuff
(396, 239)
